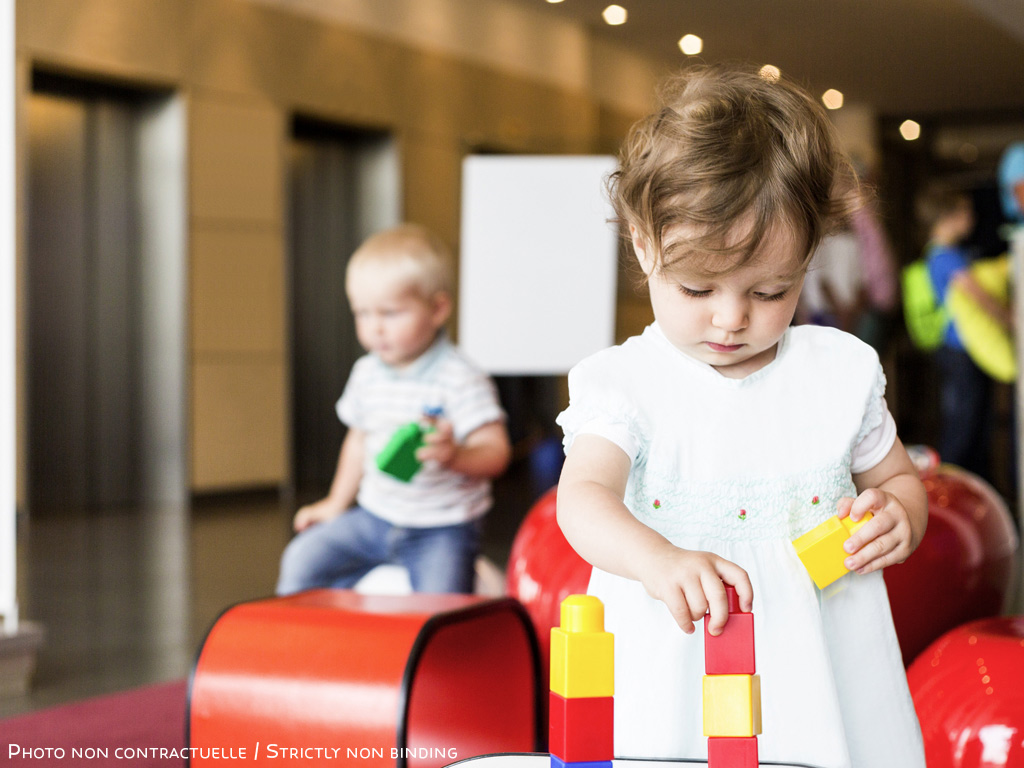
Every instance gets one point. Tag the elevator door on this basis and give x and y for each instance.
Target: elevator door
(105, 317)
(343, 187)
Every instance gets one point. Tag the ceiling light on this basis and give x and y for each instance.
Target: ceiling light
(832, 98)
(771, 73)
(691, 45)
(910, 130)
(554, 1)
(614, 15)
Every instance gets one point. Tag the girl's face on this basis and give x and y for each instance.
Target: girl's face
(731, 322)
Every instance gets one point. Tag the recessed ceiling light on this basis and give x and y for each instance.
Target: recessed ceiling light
(832, 98)
(614, 15)
(691, 45)
(770, 72)
(910, 130)
(554, 1)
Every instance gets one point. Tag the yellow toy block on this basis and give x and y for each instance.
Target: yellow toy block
(582, 653)
(821, 548)
(732, 705)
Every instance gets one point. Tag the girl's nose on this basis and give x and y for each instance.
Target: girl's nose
(730, 314)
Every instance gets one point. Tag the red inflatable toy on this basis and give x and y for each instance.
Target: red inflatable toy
(961, 571)
(968, 689)
(963, 568)
(543, 570)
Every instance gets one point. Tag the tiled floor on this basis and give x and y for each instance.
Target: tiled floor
(127, 596)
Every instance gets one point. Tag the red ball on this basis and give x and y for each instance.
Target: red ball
(963, 568)
(968, 689)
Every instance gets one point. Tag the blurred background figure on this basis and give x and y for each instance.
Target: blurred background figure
(965, 396)
(1011, 182)
(834, 290)
(851, 283)
(879, 269)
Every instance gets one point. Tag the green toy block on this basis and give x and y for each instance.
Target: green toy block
(398, 458)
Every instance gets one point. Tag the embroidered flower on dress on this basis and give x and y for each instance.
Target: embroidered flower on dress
(743, 514)
(815, 500)
(657, 504)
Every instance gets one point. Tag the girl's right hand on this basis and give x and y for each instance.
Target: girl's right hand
(690, 584)
(318, 512)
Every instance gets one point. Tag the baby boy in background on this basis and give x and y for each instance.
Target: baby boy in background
(399, 288)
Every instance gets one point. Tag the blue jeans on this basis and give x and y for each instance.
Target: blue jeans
(339, 552)
(965, 409)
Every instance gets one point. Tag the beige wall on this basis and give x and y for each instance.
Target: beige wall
(244, 69)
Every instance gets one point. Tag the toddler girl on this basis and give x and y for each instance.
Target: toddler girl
(697, 451)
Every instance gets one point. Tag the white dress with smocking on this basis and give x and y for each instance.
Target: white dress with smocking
(741, 467)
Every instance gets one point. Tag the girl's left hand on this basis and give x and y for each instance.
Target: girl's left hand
(885, 540)
(439, 444)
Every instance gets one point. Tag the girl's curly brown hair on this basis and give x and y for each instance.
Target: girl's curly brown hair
(731, 146)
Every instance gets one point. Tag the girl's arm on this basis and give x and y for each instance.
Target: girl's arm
(602, 530)
(344, 487)
(894, 494)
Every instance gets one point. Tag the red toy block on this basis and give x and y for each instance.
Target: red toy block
(732, 752)
(732, 652)
(580, 729)
(734, 599)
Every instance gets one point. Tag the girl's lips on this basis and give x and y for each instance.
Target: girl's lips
(724, 347)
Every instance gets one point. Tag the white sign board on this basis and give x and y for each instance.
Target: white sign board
(538, 262)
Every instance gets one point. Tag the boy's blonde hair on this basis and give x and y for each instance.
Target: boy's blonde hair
(410, 253)
(731, 146)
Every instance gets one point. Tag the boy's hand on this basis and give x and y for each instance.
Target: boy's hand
(690, 584)
(318, 512)
(885, 540)
(439, 443)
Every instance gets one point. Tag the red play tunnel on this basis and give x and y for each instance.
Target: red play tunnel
(416, 680)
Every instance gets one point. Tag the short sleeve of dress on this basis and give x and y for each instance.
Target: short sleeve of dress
(877, 432)
(598, 407)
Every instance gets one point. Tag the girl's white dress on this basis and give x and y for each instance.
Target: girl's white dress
(741, 467)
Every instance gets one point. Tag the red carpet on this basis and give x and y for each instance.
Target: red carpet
(124, 729)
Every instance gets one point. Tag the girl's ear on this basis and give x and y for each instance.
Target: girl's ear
(643, 255)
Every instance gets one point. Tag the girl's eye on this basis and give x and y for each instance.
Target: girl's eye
(694, 292)
(772, 296)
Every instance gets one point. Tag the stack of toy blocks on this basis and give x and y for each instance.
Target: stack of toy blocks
(582, 686)
(821, 548)
(732, 691)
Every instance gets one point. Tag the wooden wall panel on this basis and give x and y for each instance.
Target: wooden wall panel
(238, 305)
(239, 423)
(236, 160)
(146, 40)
